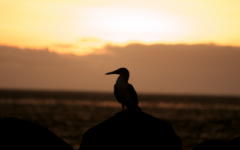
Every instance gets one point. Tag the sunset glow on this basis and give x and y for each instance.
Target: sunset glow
(126, 24)
(63, 26)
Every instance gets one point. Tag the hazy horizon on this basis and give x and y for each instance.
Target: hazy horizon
(200, 69)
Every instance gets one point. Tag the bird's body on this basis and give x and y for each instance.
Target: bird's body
(123, 91)
(125, 94)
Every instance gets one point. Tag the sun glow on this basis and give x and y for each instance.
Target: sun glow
(125, 24)
(59, 24)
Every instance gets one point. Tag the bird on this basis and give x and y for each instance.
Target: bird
(123, 91)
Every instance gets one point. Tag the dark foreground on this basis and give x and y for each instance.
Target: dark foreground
(195, 119)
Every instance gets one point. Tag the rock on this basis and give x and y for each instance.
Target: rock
(211, 145)
(233, 144)
(23, 135)
(131, 130)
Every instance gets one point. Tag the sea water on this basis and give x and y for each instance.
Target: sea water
(194, 119)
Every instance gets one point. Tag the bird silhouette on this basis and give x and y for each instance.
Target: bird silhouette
(123, 91)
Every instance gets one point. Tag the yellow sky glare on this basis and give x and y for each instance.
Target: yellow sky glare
(73, 26)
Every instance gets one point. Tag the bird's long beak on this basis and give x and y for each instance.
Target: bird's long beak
(113, 72)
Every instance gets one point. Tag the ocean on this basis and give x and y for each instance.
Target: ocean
(69, 115)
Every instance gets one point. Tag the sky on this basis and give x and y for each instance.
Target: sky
(73, 26)
(158, 69)
(174, 46)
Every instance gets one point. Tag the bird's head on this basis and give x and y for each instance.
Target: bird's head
(123, 72)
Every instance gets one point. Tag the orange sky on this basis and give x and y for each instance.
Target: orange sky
(73, 26)
(158, 68)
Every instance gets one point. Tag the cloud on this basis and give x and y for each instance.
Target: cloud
(82, 46)
(64, 45)
(157, 68)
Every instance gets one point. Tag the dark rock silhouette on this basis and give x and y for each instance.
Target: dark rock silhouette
(233, 144)
(23, 135)
(211, 145)
(131, 130)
